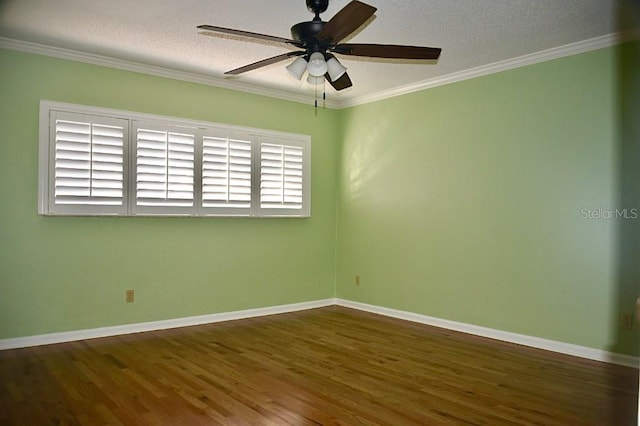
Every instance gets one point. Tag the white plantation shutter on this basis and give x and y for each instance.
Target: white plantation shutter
(88, 163)
(98, 161)
(226, 174)
(282, 177)
(165, 164)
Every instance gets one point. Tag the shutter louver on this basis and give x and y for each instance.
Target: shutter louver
(164, 168)
(226, 172)
(281, 176)
(89, 163)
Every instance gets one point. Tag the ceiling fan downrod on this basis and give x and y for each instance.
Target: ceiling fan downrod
(317, 7)
(307, 32)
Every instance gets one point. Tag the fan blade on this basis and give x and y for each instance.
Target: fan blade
(264, 62)
(249, 34)
(390, 51)
(346, 21)
(342, 83)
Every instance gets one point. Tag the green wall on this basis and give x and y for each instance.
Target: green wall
(465, 202)
(67, 273)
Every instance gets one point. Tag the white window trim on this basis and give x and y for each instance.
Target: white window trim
(200, 128)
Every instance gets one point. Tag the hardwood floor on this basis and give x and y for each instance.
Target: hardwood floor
(323, 366)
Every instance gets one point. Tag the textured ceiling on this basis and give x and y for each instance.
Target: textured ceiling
(163, 33)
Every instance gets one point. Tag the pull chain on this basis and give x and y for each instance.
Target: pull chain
(324, 93)
(316, 100)
(324, 96)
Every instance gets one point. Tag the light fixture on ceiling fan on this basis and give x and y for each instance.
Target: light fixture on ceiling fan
(320, 40)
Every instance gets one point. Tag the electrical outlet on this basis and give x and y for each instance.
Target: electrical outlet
(129, 296)
(357, 280)
(626, 321)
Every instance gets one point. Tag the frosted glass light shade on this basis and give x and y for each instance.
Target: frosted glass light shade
(335, 69)
(297, 68)
(315, 80)
(317, 65)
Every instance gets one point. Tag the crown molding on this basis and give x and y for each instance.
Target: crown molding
(584, 46)
(157, 71)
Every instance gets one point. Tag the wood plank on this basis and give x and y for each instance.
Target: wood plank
(323, 366)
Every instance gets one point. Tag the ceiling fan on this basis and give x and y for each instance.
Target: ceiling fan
(319, 40)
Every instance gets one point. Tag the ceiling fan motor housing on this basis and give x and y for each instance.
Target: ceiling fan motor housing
(306, 33)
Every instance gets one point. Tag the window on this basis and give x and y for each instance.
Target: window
(95, 161)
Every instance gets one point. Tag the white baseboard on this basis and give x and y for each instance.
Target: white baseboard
(520, 339)
(70, 336)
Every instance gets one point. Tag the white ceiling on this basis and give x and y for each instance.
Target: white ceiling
(162, 33)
